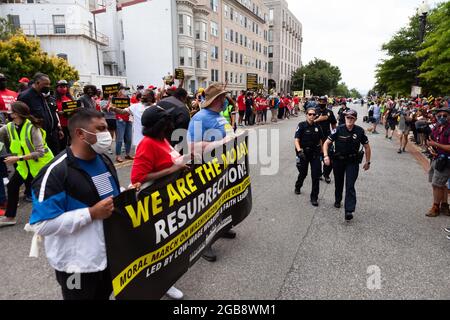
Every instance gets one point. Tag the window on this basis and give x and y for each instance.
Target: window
(226, 10)
(271, 15)
(198, 62)
(59, 24)
(214, 75)
(270, 67)
(214, 29)
(241, 59)
(242, 39)
(214, 5)
(64, 56)
(227, 34)
(227, 53)
(231, 14)
(91, 29)
(231, 56)
(200, 31)
(231, 35)
(180, 24)
(231, 77)
(270, 51)
(14, 19)
(124, 61)
(182, 58)
(214, 52)
(237, 37)
(189, 25)
(270, 35)
(226, 76)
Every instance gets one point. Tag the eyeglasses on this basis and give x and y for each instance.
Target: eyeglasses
(311, 114)
(442, 116)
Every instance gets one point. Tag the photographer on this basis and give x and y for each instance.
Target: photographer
(440, 165)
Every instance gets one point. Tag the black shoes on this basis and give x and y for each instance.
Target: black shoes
(337, 205)
(315, 203)
(209, 254)
(348, 216)
(327, 180)
(297, 191)
(230, 234)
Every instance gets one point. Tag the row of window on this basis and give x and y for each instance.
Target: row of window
(247, 23)
(243, 60)
(235, 37)
(186, 58)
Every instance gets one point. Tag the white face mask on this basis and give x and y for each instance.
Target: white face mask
(104, 141)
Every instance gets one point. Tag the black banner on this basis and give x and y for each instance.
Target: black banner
(69, 107)
(153, 240)
(252, 81)
(179, 74)
(121, 103)
(111, 89)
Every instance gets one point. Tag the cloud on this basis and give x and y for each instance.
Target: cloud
(349, 33)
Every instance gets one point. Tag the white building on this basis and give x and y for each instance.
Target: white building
(68, 29)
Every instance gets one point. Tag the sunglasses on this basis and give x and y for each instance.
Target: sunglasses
(350, 118)
(311, 114)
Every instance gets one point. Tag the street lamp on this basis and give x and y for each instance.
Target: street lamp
(304, 78)
(423, 13)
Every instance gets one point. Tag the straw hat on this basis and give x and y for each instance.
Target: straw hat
(212, 93)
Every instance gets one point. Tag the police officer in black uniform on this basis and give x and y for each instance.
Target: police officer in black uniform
(327, 121)
(347, 156)
(341, 112)
(308, 147)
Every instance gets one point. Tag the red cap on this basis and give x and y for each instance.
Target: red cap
(24, 80)
(173, 88)
(152, 87)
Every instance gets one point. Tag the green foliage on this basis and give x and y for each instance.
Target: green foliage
(23, 57)
(355, 94)
(396, 74)
(6, 29)
(341, 90)
(435, 52)
(321, 77)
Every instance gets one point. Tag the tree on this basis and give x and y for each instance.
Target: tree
(6, 29)
(354, 93)
(23, 57)
(321, 77)
(341, 90)
(435, 52)
(397, 73)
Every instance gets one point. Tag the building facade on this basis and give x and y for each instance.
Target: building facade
(285, 45)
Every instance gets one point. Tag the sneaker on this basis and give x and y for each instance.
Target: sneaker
(119, 159)
(448, 237)
(315, 203)
(328, 180)
(128, 157)
(230, 234)
(174, 293)
(5, 221)
(348, 216)
(337, 205)
(209, 254)
(434, 211)
(447, 229)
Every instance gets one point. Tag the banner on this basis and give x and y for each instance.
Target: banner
(111, 89)
(154, 238)
(121, 103)
(252, 81)
(179, 74)
(298, 94)
(70, 107)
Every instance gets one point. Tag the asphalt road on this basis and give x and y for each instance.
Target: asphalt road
(288, 250)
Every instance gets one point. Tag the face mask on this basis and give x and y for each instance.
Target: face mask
(2, 85)
(225, 105)
(45, 90)
(442, 121)
(104, 141)
(46, 95)
(62, 91)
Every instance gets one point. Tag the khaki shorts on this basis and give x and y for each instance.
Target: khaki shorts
(437, 178)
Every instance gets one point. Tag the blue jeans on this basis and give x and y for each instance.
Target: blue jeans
(123, 133)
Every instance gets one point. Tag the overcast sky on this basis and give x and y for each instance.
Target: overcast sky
(349, 33)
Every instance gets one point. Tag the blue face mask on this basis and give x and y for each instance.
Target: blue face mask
(225, 105)
(442, 121)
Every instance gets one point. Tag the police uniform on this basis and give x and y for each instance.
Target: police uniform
(326, 129)
(346, 160)
(310, 137)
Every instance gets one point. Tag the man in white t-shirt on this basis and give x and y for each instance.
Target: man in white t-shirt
(137, 110)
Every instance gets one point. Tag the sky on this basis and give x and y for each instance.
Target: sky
(349, 33)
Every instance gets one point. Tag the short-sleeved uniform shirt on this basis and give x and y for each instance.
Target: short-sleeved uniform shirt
(348, 142)
(310, 137)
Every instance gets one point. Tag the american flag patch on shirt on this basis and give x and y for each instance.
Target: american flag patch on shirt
(103, 184)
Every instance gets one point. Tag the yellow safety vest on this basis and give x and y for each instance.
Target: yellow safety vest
(23, 145)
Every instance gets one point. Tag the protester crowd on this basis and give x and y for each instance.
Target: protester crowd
(61, 157)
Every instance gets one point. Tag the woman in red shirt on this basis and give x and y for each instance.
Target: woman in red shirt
(62, 94)
(155, 157)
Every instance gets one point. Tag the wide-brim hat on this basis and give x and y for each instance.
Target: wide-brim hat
(212, 93)
(447, 110)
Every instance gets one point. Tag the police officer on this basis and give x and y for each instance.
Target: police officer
(341, 112)
(346, 159)
(308, 145)
(327, 121)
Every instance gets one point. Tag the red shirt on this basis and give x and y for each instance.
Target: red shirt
(296, 100)
(241, 103)
(134, 100)
(152, 155)
(6, 98)
(62, 119)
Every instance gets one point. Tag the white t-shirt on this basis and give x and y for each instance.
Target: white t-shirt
(137, 110)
